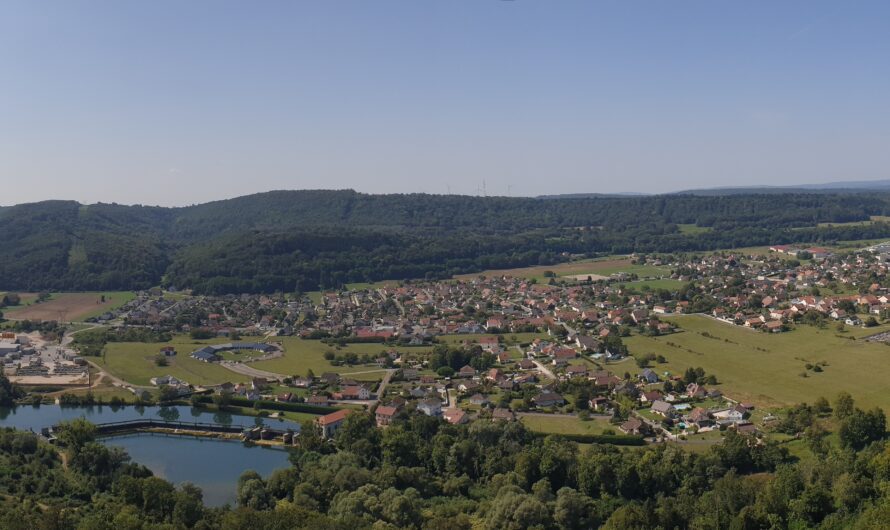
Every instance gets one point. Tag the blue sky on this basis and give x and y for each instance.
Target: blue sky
(172, 102)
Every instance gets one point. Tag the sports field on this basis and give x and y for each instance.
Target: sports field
(69, 307)
(766, 369)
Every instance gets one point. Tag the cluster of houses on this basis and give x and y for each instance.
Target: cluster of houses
(223, 316)
(181, 387)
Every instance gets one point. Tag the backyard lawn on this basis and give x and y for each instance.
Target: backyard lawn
(766, 369)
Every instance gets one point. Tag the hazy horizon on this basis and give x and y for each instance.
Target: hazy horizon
(173, 103)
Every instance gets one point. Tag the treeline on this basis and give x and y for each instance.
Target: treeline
(305, 240)
(423, 473)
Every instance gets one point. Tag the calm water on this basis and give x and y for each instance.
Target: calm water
(213, 465)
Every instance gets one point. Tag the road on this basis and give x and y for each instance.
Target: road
(394, 299)
(243, 369)
(382, 388)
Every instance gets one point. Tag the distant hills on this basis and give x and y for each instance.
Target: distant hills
(861, 186)
(306, 240)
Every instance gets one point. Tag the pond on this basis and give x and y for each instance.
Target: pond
(213, 465)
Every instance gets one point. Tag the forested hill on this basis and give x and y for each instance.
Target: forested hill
(302, 240)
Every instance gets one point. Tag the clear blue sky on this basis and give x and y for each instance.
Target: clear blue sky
(177, 102)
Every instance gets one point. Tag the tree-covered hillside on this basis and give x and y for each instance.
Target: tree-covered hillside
(423, 473)
(300, 240)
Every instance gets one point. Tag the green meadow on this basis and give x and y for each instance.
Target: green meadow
(767, 369)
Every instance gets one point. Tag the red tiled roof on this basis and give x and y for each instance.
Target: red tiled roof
(334, 417)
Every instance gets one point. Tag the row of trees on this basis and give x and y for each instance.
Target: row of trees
(421, 472)
(300, 241)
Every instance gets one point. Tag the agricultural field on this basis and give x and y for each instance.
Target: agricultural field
(874, 219)
(134, 362)
(594, 268)
(301, 355)
(560, 424)
(768, 369)
(70, 307)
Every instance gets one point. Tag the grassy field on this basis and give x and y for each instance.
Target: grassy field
(510, 339)
(765, 368)
(874, 219)
(374, 285)
(134, 363)
(567, 424)
(302, 355)
(600, 266)
(70, 307)
(654, 284)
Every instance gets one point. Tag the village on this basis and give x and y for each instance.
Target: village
(508, 347)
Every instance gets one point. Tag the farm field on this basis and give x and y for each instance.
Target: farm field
(70, 307)
(599, 266)
(765, 369)
(872, 220)
(301, 355)
(134, 363)
(553, 424)
(374, 285)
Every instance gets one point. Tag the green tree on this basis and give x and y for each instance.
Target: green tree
(574, 510)
(8, 392)
(843, 405)
(76, 433)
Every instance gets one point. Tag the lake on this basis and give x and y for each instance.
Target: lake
(211, 464)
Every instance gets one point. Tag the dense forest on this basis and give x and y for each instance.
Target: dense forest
(422, 473)
(303, 240)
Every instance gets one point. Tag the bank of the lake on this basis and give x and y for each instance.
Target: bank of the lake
(214, 465)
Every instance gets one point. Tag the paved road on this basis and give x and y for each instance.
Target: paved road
(544, 370)
(243, 369)
(394, 299)
(386, 379)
